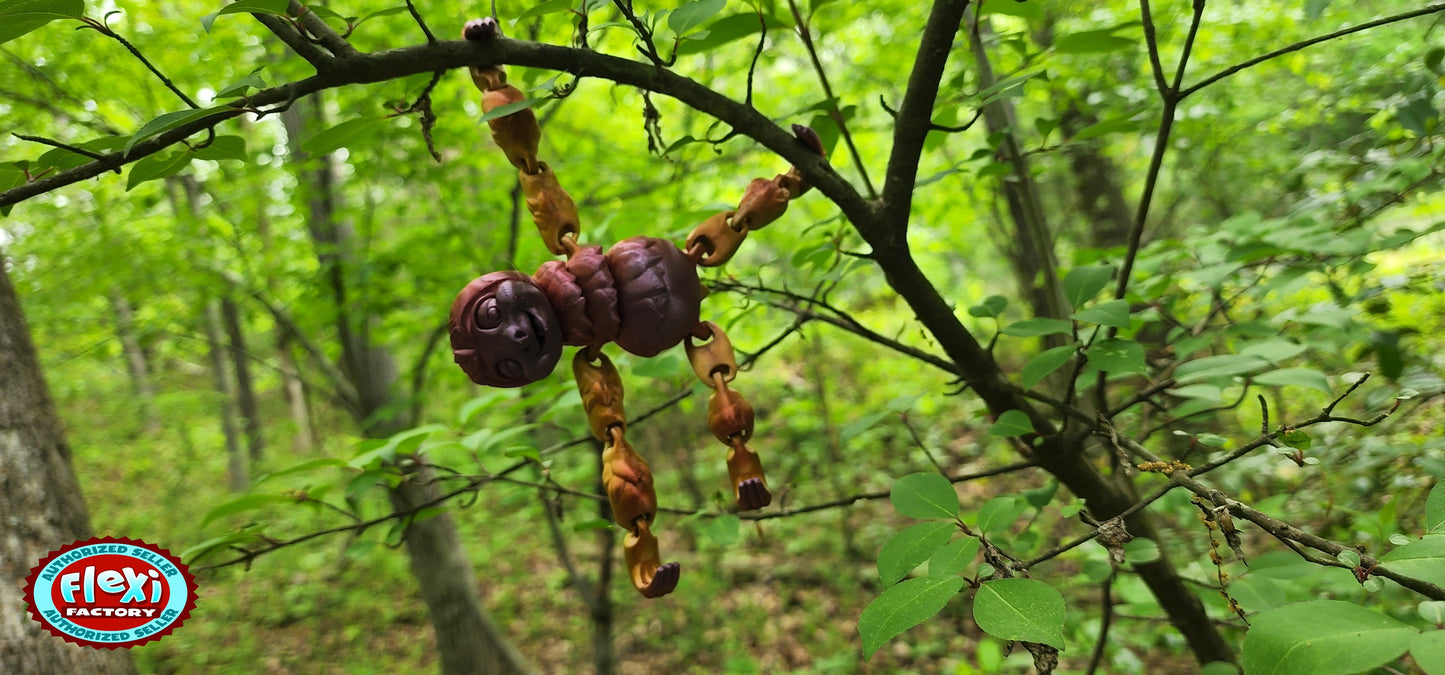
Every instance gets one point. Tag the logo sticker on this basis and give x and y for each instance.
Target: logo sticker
(110, 592)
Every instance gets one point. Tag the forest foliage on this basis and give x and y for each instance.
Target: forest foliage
(1156, 302)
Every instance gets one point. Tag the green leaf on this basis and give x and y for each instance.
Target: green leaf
(380, 13)
(18, 17)
(1274, 350)
(1314, 8)
(902, 607)
(1295, 377)
(318, 463)
(1012, 423)
(725, 30)
(223, 147)
(246, 503)
(1020, 609)
(723, 530)
(1432, 611)
(1024, 10)
(687, 17)
(1140, 551)
(591, 524)
(1349, 557)
(1092, 41)
(991, 307)
(1296, 439)
(239, 87)
(168, 121)
(851, 430)
(1111, 313)
(159, 165)
(999, 513)
(1117, 355)
(1037, 327)
(1435, 508)
(1322, 637)
(953, 558)
(1428, 650)
(1224, 365)
(1433, 57)
(1046, 362)
(486, 401)
(343, 134)
(1206, 392)
(195, 553)
(1422, 559)
(1106, 127)
(925, 496)
(910, 548)
(273, 7)
(542, 8)
(1081, 284)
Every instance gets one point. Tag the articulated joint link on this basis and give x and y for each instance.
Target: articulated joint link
(553, 210)
(601, 390)
(650, 576)
(716, 356)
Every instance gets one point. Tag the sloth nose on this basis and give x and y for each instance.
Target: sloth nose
(518, 334)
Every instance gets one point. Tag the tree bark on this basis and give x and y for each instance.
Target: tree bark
(237, 477)
(41, 507)
(245, 386)
(135, 360)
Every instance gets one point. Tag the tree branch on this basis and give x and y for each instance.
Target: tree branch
(915, 112)
(1431, 9)
(397, 63)
(298, 43)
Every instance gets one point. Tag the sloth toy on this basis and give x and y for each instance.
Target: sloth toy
(508, 329)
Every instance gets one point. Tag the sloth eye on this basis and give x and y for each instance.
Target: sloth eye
(510, 369)
(488, 315)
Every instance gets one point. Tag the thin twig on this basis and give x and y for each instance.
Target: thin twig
(834, 111)
(104, 29)
(1430, 9)
(63, 146)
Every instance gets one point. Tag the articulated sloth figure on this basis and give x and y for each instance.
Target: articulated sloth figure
(508, 329)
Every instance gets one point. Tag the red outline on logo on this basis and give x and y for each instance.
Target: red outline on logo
(164, 553)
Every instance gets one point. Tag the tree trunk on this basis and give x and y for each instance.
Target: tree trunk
(236, 474)
(41, 508)
(135, 360)
(304, 442)
(467, 641)
(245, 388)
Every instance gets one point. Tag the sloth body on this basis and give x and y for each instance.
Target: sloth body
(508, 329)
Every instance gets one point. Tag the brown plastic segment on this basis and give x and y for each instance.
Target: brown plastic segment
(553, 210)
(628, 481)
(649, 575)
(600, 387)
(518, 133)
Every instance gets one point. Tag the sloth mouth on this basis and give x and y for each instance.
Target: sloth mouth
(539, 330)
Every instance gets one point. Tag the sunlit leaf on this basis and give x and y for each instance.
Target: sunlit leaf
(693, 14)
(910, 548)
(1020, 609)
(1039, 367)
(925, 496)
(1012, 423)
(1322, 637)
(1037, 327)
(242, 505)
(1081, 284)
(1110, 313)
(1117, 355)
(1296, 377)
(341, 135)
(953, 558)
(902, 607)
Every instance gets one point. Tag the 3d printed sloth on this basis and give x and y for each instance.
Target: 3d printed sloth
(508, 329)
